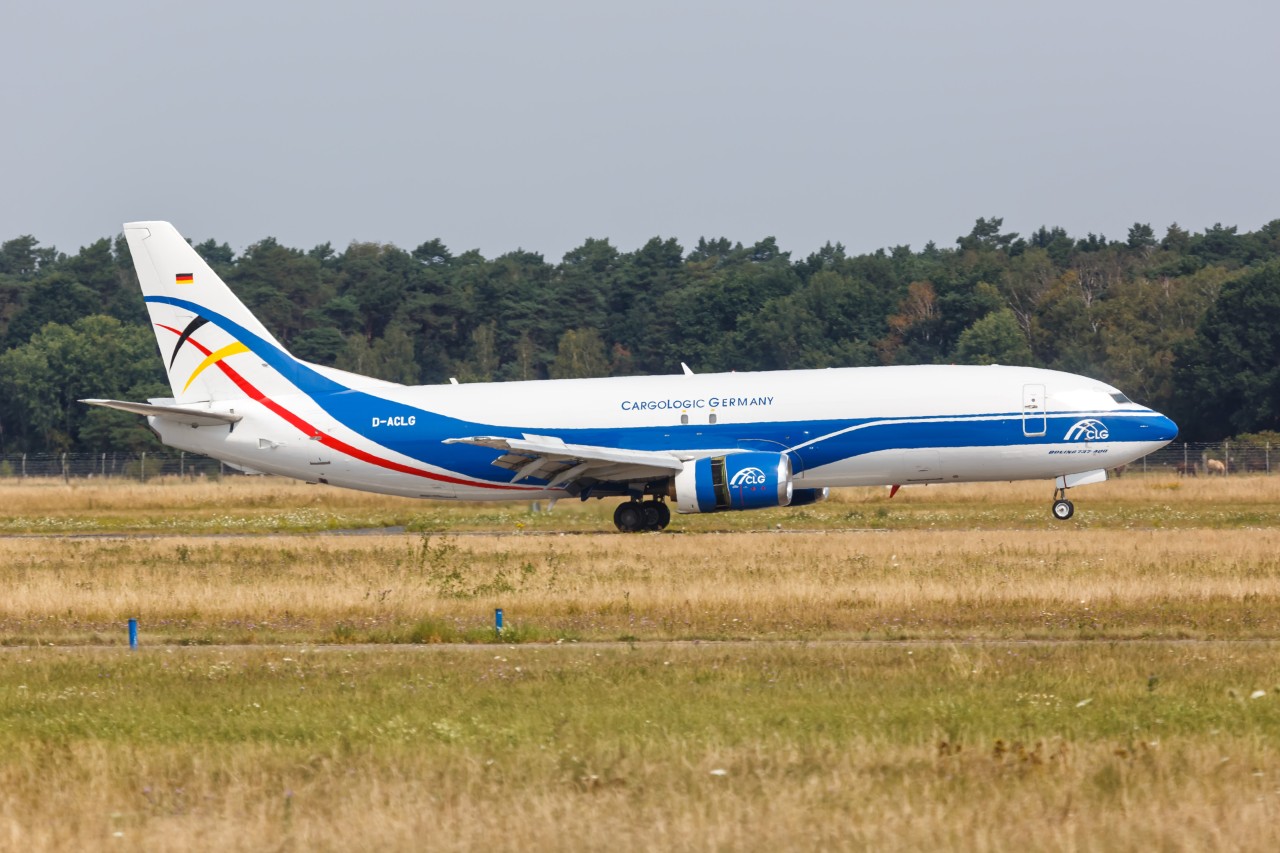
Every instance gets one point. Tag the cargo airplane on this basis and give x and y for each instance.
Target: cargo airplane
(699, 442)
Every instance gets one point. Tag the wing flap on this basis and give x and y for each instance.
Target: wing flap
(561, 464)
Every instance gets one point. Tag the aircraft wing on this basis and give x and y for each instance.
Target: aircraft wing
(182, 414)
(562, 464)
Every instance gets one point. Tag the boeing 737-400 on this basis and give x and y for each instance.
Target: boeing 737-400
(703, 442)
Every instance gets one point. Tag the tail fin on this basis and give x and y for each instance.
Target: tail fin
(200, 324)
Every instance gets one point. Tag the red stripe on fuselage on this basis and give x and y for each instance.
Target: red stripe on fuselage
(328, 440)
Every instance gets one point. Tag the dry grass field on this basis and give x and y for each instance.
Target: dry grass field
(413, 588)
(271, 505)
(949, 669)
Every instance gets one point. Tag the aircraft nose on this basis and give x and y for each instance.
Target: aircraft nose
(1165, 429)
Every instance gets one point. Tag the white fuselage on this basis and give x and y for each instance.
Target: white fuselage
(840, 426)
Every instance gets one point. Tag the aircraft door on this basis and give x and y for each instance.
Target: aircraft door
(1034, 411)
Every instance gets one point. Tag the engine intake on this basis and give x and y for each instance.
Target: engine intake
(735, 481)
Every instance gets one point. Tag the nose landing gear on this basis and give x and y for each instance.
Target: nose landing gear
(1062, 508)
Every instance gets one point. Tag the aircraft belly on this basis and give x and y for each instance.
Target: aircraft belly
(1032, 461)
(1023, 461)
(975, 464)
(471, 493)
(299, 457)
(867, 469)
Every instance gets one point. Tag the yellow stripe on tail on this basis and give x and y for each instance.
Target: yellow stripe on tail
(215, 357)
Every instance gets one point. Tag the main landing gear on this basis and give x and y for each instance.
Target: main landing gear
(635, 516)
(1062, 508)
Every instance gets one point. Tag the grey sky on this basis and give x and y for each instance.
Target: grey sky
(537, 125)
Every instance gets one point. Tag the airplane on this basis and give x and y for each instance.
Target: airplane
(703, 442)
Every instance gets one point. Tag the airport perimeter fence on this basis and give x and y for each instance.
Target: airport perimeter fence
(144, 465)
(1198, 459)
(1188, 459)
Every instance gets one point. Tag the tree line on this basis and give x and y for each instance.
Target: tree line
(1188, 323)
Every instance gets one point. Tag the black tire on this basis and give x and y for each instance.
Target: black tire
(664, 515)
(652, 517)
(629, 517)
(1063, 509)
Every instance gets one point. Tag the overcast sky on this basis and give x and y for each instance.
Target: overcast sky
(536, 125)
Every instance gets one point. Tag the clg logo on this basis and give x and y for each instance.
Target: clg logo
(747, 477)
(1087, 430)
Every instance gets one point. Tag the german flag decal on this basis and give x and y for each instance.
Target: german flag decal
(184, 278)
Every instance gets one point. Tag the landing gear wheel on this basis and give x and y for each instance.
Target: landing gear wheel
(652, 518)
(664, 515)
(629, 517)
(1063, 509)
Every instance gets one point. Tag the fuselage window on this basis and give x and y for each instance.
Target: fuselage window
(711, 418)
(1120, 398)
(684, 419)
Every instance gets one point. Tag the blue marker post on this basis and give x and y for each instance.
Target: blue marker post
(497, 619)
(133, 633)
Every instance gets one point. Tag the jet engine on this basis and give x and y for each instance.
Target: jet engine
(734, 481)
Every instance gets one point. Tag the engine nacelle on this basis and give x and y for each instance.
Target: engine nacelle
(804, 497)
(734, 481)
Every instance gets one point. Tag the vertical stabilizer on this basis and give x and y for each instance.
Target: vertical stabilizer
(212, 346)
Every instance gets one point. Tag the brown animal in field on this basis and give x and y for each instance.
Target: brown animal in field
(1186, 469)
(1215, 466)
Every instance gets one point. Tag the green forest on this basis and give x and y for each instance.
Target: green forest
(1186, 322)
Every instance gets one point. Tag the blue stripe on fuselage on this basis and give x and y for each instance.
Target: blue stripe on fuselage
(832, 440)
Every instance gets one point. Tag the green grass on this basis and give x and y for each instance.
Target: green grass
(991, 746)
(512, 696)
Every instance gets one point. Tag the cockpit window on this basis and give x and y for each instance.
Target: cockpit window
(1120, 398)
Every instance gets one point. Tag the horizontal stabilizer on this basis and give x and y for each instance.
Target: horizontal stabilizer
(179, 414)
